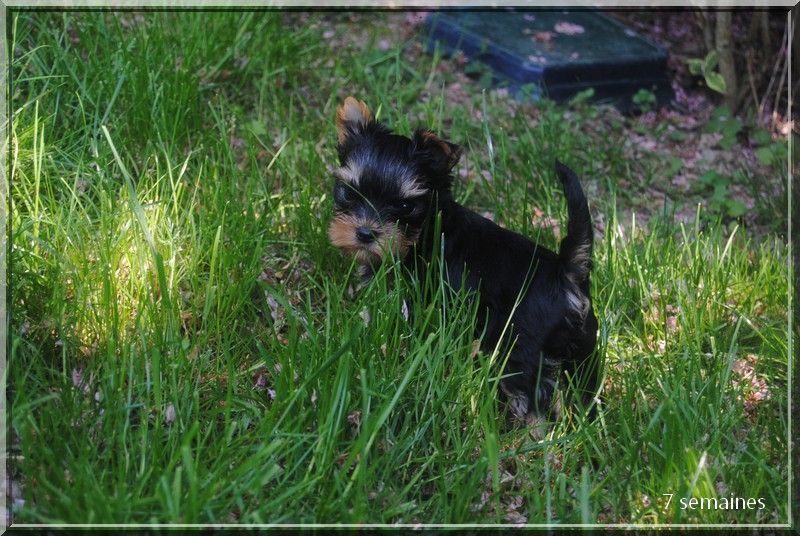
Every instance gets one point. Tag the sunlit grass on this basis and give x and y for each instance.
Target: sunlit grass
(186, 347)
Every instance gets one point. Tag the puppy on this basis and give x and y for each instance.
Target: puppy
(534, 304)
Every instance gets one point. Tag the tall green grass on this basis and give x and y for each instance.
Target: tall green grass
(186, 347)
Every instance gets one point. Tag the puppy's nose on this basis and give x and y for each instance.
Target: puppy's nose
(366, 235)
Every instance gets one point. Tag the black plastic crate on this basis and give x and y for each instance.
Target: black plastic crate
(524, 50)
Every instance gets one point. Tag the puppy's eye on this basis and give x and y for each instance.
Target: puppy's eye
(403, 208)
(343, 194)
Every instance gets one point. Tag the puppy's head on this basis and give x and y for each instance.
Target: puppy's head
(385, 185)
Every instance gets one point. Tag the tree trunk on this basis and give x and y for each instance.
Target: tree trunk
(707, 24)
(795, 46)
(727, 67)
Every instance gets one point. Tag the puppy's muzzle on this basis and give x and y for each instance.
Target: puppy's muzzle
(366, 235)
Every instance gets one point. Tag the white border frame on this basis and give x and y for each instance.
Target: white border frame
(5, 513)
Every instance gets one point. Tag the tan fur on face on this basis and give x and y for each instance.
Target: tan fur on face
(392, 240)
(350, 173)
(342, 233)
(412, 189)
(351, 111)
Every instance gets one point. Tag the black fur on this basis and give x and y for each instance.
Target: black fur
(545, 294)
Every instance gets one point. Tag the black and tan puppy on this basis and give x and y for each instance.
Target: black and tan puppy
(389, 190)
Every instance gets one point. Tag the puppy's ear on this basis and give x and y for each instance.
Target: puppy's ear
(351, 115)
(438, 155)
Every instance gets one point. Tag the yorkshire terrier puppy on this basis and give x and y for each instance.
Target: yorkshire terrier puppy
(389, 191)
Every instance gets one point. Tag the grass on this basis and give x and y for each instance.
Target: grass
(186, 347)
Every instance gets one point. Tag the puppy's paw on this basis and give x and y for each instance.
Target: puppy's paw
(537, 426)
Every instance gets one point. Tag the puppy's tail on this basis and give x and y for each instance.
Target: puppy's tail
(576, 247)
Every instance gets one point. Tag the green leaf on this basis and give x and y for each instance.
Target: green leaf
(674, 165)
(723, 113)
(710, 61)
(678, 135)
(735, 208)
(485, 81)
(474, 67)
(644, 99)
(257, 128)
(695, 66)
(582, 96)
(720, 191)
(732, 126)
(761, 137)
(715, 82)
(728, 139)
(719, 119)
(712, 178)
(765, 155)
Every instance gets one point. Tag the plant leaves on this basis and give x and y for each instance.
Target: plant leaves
(735, 208)
(582, 97)
(765, 155)
(761, 137)
(716, 82)
(712, 178)
(695, 66)
(710, 61)
(728, 139)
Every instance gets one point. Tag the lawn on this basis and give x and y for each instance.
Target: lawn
(185, 346)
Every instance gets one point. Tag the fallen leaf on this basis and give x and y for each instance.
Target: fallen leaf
(481, 504)
(476, 347)
(169, 414)
(261, 382)
(753, 389)
(542, 37)
(515, 503)
(568, 28)
(273, 307)
(516, 518)
(354, 419)
(79, 381)
(237, 143)
(539, 219)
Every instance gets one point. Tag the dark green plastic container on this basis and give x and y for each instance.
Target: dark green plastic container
(525, 51)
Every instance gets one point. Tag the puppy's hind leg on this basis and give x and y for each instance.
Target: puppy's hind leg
(528, 387)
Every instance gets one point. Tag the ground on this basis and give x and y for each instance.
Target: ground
(187, 347)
